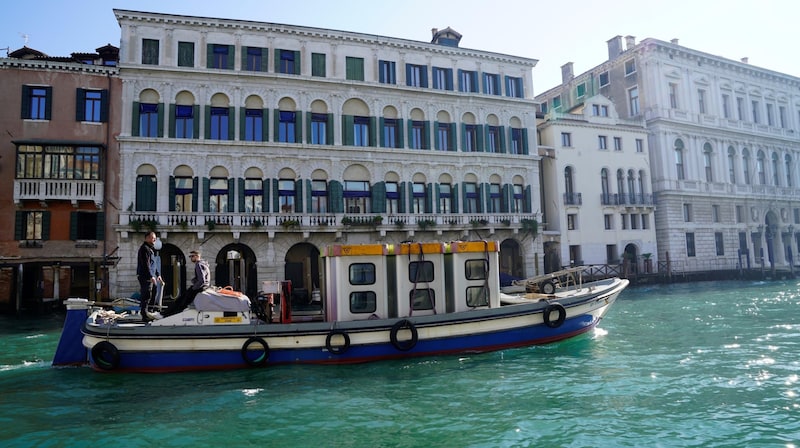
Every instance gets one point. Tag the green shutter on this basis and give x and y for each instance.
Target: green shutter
(525, 141)
(277, 60)
(505, 199)
(382, 136)
(242, 120)
(231, 55)
(264, 59)
(195, 186)
(172, 120)
(436, 135)
(206, 199)
(265, 125)
(347, 130)
(464, 138)
(26, 103)
(45, 226)
(80, 104)
(454, 199)
(401, 197)
(527, 205)
(426, 135)
(298, 127)
(401, 142)
(329, 130)
(104, 106)
(298, 196)
(73, 226)
(309, 199)
(172, 193)
(19, 224)
(276, 205)
(243, 58)
(209, 55)
(336, 196)
(276, 121)
(208, 122)
(265, 195)
(196, 121)
(241, 195)
(100, 226)
(318, 64)
(135, 120)
(437, 196)
(160, 129)
(231, 193)
(478, 137)
(296, 62)
(308, 127)
(429, 198)
(373, 134)
(501, 131)
(452, 136)
(378, 200)
(231, 122)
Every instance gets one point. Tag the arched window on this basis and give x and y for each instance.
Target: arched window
(788, 160)
(679, 167)
(732, 165)
(761, 169)
(776, 179)
(621, 186)
(631, 187)
(604, 187)
(707, 153)
(746, 166)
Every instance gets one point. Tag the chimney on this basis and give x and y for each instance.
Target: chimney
(674, 41)
(566, 73)
(434, 31)
(745, 60)
(630, 42)
(614, 47)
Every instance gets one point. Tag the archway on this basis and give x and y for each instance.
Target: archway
(630, 258)
(302, 268)
(771, 237)
(236, 267)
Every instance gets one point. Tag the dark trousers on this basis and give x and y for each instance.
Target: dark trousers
(146, 292)
(181, 302)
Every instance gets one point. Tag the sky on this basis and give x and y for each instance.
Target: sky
(554, 33)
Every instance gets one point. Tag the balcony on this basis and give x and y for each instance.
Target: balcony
(59, 190)
(271, 224)
(573, 199)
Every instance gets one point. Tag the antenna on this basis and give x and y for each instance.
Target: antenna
(24, 37)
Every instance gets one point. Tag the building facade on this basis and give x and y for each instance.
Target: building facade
(724, 149)
(599, 203)
(59, 160)
(263, 143)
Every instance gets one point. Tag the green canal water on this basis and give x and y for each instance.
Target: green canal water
(712, 364)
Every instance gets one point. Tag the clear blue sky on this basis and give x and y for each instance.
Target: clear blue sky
(766, 31)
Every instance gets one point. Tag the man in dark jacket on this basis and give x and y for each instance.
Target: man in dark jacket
(147, 273)
(201, 281)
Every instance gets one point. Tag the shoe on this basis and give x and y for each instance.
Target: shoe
(156, 315)
(146, 317)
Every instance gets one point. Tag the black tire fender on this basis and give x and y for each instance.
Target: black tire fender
(259, 360)
(562, 315)
(337, 349)
(105, 355)
(407, 345)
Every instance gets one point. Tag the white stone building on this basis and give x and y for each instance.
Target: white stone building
(724, 149)
(596, 175)
(263, 143)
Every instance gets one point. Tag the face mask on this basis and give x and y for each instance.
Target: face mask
(157, 244)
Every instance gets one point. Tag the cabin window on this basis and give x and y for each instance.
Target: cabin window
(422, 299)
(363, 302)
(476, 269)
(362, 274)
(477, 296)
(420, 271)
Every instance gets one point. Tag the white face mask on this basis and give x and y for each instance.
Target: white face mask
(157, 244)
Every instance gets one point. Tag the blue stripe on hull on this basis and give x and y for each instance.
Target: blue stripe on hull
(232, 359)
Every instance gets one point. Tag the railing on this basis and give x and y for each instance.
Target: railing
(573, 199)
(58, 189)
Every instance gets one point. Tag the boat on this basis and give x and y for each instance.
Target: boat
(375, 302)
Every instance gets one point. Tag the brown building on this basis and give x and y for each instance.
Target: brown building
(59, 176)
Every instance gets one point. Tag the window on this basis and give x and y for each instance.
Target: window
(517, 205)
(92, 106)
(445, 198)
(797, 216)
(320, 129)
(630, 67)
(319, 196)
(318, 66)
(491, 84)
(86, 226)
(287, 127)
(471, 197)
(362, 274)
(633, 101)
(32, 225)
(184, 194)
(149, 120)
(392, 198)
(475, 269)
(603, 79)
(760, 169)
(580, 90)
(639, 145)
(707, 162)
(184, 121)
(363, 302)
(687, 212)
(514, 87)
(740, 109)
(494, 199)
(608, 221)
(253, 125)
(442, 78)
(634, 221)
(556, 103)
(599, 110)
(146, 190)
(419, 135)
(572, 221)
(679, 160)
(471, 138)
(602, 142)
(286, 195)
(617, 143)
(444, 137)
(719, 243)
(356, 196)
(788, 162)
(361, 134)
(185, 54)
(58, 162)
(715, 213)
(255, 59)
(746, 166)
(770, 115)
(517, 141)
(776, 178)
(726, 106)
(149, 52)
(701, 101)
(645, 222)
(36, 102)
(739, 214)
(782, 116)
(731, 165)
(354, 68)
(220, 56)
(287, 62)
(416, 75)
(217, 195)
(253, 195)
(690, 244)
(673, 95)
(219, 124)
(418, 198)
(624, 221)
(391, 133)
(386, 72)
(467, 81)
(566, 139)
(756, 109)
(493, 139)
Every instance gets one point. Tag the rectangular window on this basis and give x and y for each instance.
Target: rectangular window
(673, 95)
(286, 127)
(184, 121)
(253, 125)
(287, 62)
(444, 137)
(219, 123)
(253, 195)
(630, 67)
(602, 142)
(701, 100)
(220, 56)
(493, 143)
(603, 79)
(797, 216)
(572, 221)
(318, 66)
(690, 244)
(218, 195)
(418, 198)
(470, 138)
(392, 198)
(740, 109)
(624, 221)
(595, 109)
(634, 221)
(32, 226)
(36, 102)
(184, 190)
(361, 131)
(255, 59)
(356, 196)
(286, 195)
(617, 143)
(687, 212)
(517, 143)
(494, 198)
(85, 226)
(148, 120)
(580, 90)
(93, 101)
(739, 214)
(756, 115)
(715, 213)
(185, 54)
(519, 197)
(782, 116)
(386, 72)
(566, 139)
(556, 103)
(491, 84)
(633, 101)
(149, 52)
(514, 87)
(319, 196)
(639, 145)
(416, 75)
(442, 78)
(391, 133)
(470, 197)
(770, 115)
(608, 221)
(467, 81)
(720, 243)
(645, 222)
(319, 129)
(445, 198)
(418, 140)
(726, 106)
(354, 68)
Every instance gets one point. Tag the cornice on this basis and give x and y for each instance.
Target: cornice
(53, 65)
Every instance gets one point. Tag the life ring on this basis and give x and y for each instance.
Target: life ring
(403, 346)
(337, 349)
(105, 355)
(562, 315)
(259, 360)
(547, 287)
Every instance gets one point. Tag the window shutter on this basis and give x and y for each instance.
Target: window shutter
(206, 199)
(454, 198)
(460, 81)
(276, 122)
(241, 195)
(209, 55)
(378, 200)
(276, 205)
(298, 127)
(100, 226)
(424, 77)
(296, 62)
(373, 137)
(231, 122)
(382, 131)
(527, 205)
(80, 104)
(347, 130)
(401, 197)
(309, 199)
(160, 117)
(26, 102)
(429, 198)
(436, 135)
(265, 125)
(400, 136)
(264, 60)
(243, 58)
(505, 199)
(104, 106)
(196, 121)
(48, 104)
(265, 195)
(172, 193)
(194, 193)
(525, 141)
(135, 125)
(242, 119)
(426, 135)
(208, 122)
(308, 126)
(336, 196)
(484, 198)
(19, 224)
(231, 55)
(298, 196)
(449, 79)
(277, 60)
(73, 226)
(172, 120)
(501, 131)
(329, 130)
(231, 193)
(437, 196)
(45, 226)
(464, 137)
(408, 74)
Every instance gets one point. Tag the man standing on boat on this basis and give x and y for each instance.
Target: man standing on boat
(147, 273)
(201, 281)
